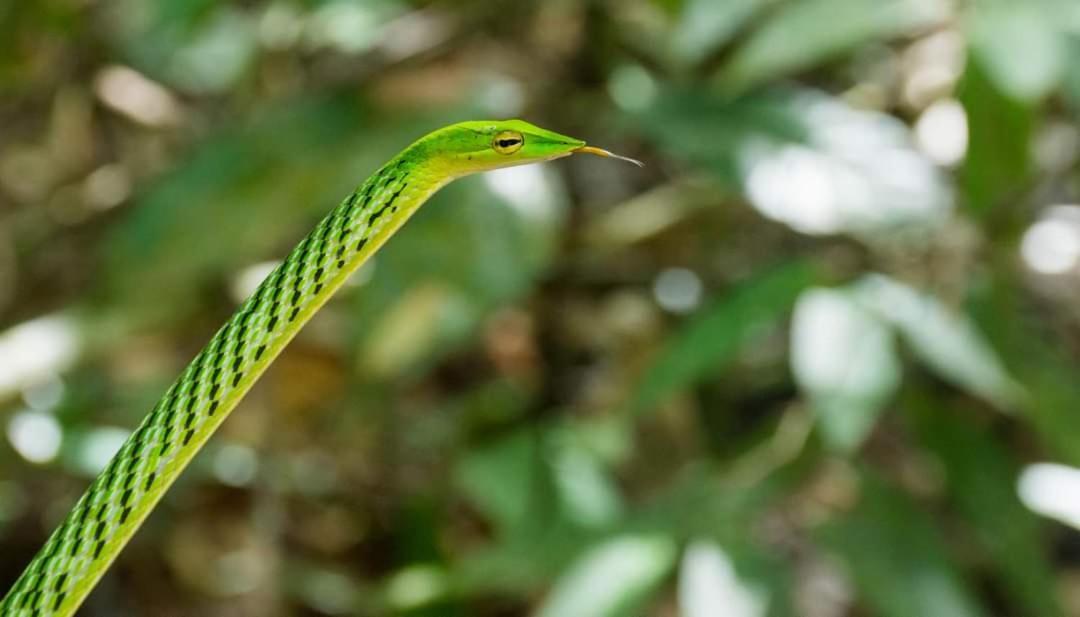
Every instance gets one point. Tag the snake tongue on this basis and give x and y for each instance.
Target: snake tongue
(610, 155)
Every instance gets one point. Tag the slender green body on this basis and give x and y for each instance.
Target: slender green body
(81, 549)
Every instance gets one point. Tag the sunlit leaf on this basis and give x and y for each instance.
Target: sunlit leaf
(1020, 46)
(845, 358)
(858, 172)
(706, 25)
(807, 159)
(796, 38)
(947, 342)
(587, 491)
(709, 585)
(612, 579)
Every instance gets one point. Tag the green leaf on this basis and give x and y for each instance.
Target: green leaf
(501, 479)
(947, 342)
(999, 141)
(710, 585)
(982, 480)
(714, 132)
(706, 25)
(844, 357)
(896, 557)
(612, 579)
(715, 336)
(803, 34)
(1020, 46)
(1047, 372)
(806, 159)
(587, 492)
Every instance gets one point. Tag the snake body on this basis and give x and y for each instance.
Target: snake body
(85, 544)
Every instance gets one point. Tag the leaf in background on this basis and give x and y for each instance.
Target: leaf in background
(502, 479)
(981, 480)
(803, 34)
(1047, 372)
(716, 335)
(945, 341)
(709, 585)
(530, 476)
(714, 132)
(1072, 76)
(806, 159)
(896, 557)
(706, 25)
(999, 141)
(845, 359)
(612, 579)
(587, 492)
(1020, 46)
(858, 172)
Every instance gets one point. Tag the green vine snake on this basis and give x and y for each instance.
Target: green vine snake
(85, 544)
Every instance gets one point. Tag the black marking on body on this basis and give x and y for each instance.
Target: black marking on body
(82, 522)
(388, 205)
(364, 199)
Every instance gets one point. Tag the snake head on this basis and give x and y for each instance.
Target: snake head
(475, 146)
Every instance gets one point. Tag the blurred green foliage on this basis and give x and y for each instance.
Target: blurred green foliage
(801, 364)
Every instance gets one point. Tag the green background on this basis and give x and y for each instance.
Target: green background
(802, 363)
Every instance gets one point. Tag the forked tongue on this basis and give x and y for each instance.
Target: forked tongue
(610, 155)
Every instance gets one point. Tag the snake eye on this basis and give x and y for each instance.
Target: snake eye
(507, 142)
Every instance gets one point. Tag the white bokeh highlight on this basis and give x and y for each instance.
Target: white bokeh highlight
(710, 586)
(941, 132)
(678, 290)
(35, 436)
(1051, 246)
(858, 172)
(1053, 491)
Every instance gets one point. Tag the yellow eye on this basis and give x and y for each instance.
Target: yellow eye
(507, 142)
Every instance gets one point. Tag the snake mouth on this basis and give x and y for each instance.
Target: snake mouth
(607, 154)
